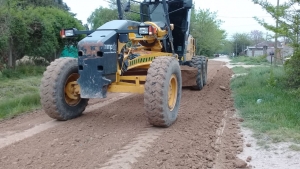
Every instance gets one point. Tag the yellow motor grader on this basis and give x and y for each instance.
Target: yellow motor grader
(154, 57)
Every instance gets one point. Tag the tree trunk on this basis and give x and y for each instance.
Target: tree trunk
(10, 55)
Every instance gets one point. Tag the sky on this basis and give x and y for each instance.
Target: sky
(237, 15)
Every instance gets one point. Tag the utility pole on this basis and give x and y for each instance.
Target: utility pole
(236, 49)
(276, 36)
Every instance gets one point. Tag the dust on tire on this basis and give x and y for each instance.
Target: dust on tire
(204, 70)
(52, 90)
(156, 91)
(196, 62)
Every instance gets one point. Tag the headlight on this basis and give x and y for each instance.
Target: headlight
(144, 30)
(69, 33)
(147, 30)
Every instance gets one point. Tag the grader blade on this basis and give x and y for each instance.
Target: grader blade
(189, 76)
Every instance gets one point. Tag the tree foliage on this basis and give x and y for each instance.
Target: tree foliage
(226, 47)
(288, 18)
(205, 27)
(32, 28)
(240, 42)
(257, 36)
(102, 15)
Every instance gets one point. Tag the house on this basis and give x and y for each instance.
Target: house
(267, 47)
(263, 48)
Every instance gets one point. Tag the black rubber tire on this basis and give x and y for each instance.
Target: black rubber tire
(156, 91)
(204, 70)
(196, 62)
(52, 90)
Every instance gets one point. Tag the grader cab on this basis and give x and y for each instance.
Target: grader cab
(154, 57)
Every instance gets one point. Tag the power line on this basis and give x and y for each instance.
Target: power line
(236, 17)
(242, 25)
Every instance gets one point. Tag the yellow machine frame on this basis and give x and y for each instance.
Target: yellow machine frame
(147, 55)
(133, 83)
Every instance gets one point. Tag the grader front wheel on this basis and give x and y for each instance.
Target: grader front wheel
(59, 91)
(163, 91)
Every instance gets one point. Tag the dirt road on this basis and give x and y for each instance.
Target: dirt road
(114, 133)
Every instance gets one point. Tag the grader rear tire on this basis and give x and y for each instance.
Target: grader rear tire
(204, 70)
(196, 62)
(163, 91)
(53, 91)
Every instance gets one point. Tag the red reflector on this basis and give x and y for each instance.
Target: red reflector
(154, 30)
(151, 29)
(62, 33)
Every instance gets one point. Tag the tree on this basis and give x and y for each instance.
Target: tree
(288, 23)
(226, 47)
(240, 42)
(44, 30)
(102, 15)
(205, 27)
(32, 30)
(279, 13)
(257, 36)
(4, 33)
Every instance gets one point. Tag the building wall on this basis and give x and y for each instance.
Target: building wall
(257, 52)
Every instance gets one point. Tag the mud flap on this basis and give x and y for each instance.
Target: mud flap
(189, 76)
(91, 81)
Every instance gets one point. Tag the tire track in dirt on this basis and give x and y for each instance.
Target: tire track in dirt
(191, 141)
(7, 140)
(107, 135)
(129, 154)
(125, 158)
(220, 132)
(85, 142)
(11, 137)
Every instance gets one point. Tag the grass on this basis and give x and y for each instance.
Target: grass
(22, 72)
(19, 90)
(240, 70)
(260, 60)
(294, 147)
(278, 115)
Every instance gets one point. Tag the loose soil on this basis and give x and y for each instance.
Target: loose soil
(114, 133)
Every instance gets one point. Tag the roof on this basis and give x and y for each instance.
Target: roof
(270, 44)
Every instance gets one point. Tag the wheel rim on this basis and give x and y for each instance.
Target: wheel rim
(172, 92)
(72, 97)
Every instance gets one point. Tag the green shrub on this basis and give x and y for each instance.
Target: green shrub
(22, 71)
(292, 69)
(271, 80)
